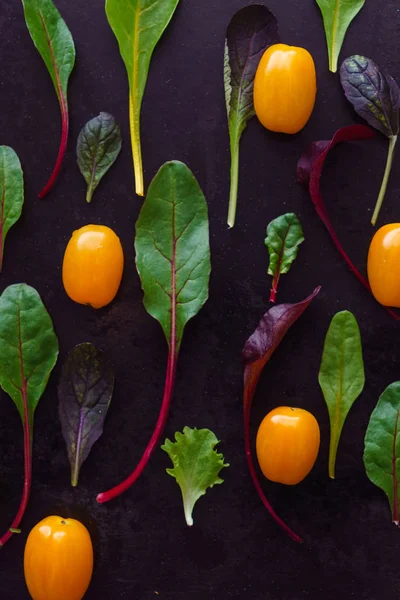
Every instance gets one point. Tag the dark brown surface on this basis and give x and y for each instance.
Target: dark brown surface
(141, 541)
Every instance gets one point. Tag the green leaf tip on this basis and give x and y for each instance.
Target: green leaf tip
(196, 465)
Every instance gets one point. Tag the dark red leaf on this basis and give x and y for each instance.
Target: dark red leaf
(309, 170)
(256, 353)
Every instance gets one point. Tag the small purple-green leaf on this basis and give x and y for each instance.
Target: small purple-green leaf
(84, 393)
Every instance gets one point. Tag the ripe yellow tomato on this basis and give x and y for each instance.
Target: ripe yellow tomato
(288, 444)
(93, 265)
(58, 560)
(384, 265)
(285, 88)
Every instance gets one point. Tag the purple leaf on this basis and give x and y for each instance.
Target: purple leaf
(84, 393)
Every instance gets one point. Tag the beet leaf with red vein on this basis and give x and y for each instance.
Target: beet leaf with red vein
(29, 351)
(309, 171)
(284, 236)
(54, 42)
(11, 193)
(256, 353)
(173, 261)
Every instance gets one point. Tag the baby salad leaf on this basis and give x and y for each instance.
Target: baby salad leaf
(376, 98)
(28, 350)
(173, 261)
(284, 236)
(54, 42)
(337, 16)
(84, 393)
(309, 171)
(341, 375)
(99, 144)
(196, 465)
(382, 447)
(138, 26)
(11, 193)
(256, 353)
(251, 31)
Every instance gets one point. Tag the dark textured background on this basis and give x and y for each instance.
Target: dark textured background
(142, 544)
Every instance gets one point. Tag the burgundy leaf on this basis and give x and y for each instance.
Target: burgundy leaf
(256, 353)
(309, 170)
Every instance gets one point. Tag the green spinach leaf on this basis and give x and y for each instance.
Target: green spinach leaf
(99, 144)
(11, 193)
(341, 375)
(251, 31)
(284, 236)
(55, 45)
(138, 26)
(196, 465)
(173, 261)
(28, 350)
(382, 447)
(337, 16)
(84, 394)
(375, 96)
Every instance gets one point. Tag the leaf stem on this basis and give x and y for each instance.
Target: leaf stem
(274, 289)
(27, 471)
(62, 149)
(162, 419)
(389, 163)
(234, 181)
(134, 119)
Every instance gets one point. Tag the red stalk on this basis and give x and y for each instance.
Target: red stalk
(155, 438)
(27, 470)
(62, 149)
(274, 289)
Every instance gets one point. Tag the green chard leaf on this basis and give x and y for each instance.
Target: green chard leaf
(337, 16)
(284, 236)
(11, 193)
(251, 31)
(196, 465)
(84, 394)
(382, 447)
(341, 375)
(98, 147)
(173, 262)
(28, 350)
(54, 42)
(138, 26)
(375, 96)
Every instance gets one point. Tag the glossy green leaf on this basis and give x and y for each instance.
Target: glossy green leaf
(54, 42)
(382, 447)
(28, 350)
(251, 31)
(284, 236)
(11, 193)
(196, 465)
(84, 394)
(172, 249)
(341, 375)
(337, 16)
(138, 26)
(98, 147)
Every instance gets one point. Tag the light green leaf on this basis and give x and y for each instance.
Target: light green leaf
(196, 465)
(11, 193)
(138, 26)
(341, 375)
(337, 16)
(284, 236)
(172, 250)
(382, 447)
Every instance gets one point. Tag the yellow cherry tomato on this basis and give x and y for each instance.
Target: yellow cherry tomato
(285, 88)
(288, 444)
(93, 265)
(58, 560)
(384, 265)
